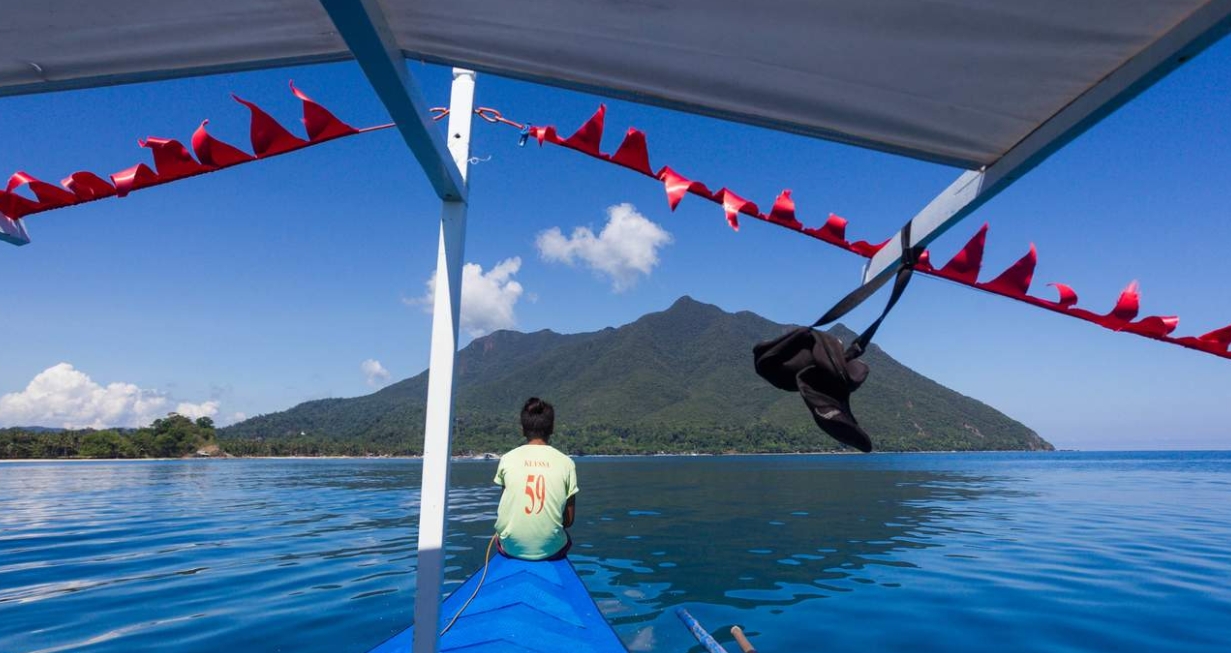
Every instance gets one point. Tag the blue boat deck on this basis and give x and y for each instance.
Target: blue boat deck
(523, 607)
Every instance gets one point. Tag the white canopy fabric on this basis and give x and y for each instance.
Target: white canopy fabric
(954, 81)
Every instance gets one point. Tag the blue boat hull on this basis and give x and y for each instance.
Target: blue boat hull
(523, 607)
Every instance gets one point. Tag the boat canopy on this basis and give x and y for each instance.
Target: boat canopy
(960, 82)
(992, 86)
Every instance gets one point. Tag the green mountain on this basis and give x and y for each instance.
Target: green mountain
(676, 381)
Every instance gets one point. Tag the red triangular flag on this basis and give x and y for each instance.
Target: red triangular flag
(1068, 296)
(171, 158)
(1015, 281)
(134, 178)
(588, 137)
(49, 196)
(633, 153)
(269, 137)
(783, 212)
(88, 186)
(964, 266)
(213, 152)
(319, 122)
(733, 205)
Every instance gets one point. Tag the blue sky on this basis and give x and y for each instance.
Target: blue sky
(256, 288)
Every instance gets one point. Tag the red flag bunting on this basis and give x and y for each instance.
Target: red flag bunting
(134, 178)
(320, 124)
(733, 205)
(173, 161)
(866, 249)
(964, 266)
(589, 136)
(49, 196)
(1154, 326)
(15, 206)
(268, 136)
(783, 213)
(547, 134)
(833, 232)
(1220, 338)
(87, 186)
(1068, 296)
(1127, 305)
(1015, 281)
(213, 152)
(632, 153)
(171, 158)
(677, 185)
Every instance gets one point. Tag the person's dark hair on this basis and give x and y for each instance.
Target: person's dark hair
(538, 419)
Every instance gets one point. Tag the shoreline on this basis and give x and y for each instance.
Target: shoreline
(494, 456)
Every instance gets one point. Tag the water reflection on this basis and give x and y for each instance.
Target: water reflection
(746, 533)
(751, 531)
(320, 555)
(205, 541)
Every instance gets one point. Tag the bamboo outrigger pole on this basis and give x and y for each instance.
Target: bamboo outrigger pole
(703, 636)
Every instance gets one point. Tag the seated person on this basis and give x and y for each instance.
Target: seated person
(540, 488)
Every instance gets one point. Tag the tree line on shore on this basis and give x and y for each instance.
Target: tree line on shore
(176, 436)
(173, 436)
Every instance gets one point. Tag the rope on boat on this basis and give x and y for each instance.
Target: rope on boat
(490, 115)
(487, 559)
(487, 113)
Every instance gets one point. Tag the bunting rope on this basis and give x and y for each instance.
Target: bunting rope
(173, 162)
(963, 268)
(268, 138)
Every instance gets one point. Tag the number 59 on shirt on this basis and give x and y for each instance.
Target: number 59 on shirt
(536, 489)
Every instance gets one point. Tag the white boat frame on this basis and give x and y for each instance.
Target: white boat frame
(443, 158)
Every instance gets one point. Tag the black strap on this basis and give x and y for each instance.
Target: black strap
(906, 267)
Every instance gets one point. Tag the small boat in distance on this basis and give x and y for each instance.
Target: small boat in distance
(519, 607)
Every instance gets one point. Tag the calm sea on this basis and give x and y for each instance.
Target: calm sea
(948, 552)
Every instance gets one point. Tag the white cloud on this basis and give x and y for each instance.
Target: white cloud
(488, 298)
(65, 397)
(238, 417)
(195, 411)
(376, 373)
(625, 249)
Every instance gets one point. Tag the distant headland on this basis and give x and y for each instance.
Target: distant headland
(677, 381)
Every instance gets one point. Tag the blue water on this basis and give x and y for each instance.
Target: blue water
(932, 552)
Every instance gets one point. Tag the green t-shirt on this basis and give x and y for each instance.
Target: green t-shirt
(537, 481)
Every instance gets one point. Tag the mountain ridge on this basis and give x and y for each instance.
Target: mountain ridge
(677, 380)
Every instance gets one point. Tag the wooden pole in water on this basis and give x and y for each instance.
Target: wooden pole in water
(744, 644)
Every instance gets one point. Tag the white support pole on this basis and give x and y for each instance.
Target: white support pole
(365, 28)
(13, 231)
(1183, 41)
(437, 434)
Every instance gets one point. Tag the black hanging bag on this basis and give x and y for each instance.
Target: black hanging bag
(821, 369)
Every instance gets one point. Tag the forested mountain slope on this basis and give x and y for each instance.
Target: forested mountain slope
(673, 381)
